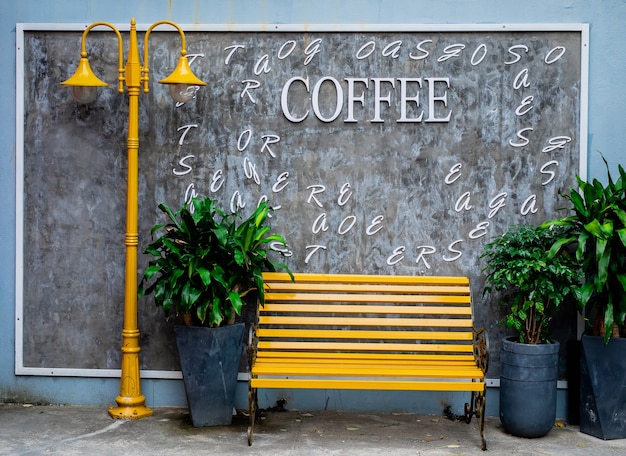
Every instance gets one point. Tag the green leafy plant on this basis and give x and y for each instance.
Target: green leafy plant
(532, 285)
(597, 229)
(206, 261)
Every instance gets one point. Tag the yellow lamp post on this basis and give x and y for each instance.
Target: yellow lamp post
(131, 404)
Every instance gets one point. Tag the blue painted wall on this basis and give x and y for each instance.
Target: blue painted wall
(607, 114)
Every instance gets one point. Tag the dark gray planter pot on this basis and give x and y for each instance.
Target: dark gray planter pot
(209, 360)
(528, 379)
(603, 388)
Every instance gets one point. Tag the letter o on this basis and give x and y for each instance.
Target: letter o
(476, 57)
(290, 45)
(244, 140)
(559, 50)
(363, 55)
(316, 97)
(351, 220)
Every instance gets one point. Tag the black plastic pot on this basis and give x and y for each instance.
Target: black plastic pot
(573, 382)
(603, 388)
(209, 359)
(528, 376)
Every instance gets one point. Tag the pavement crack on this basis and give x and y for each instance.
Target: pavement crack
(114, 425)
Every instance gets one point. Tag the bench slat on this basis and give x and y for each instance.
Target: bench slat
(271, 307)
(376, 359)
(281, 356)
(369, 370)
(264, 333)
(276, 277)
(365, 346)
(375, 298)
(389, 385)
(305, 321)
(366, 288)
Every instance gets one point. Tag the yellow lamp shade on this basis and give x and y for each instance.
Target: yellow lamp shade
(84, 76)
(182, 74)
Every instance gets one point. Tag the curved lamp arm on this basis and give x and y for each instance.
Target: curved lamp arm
(84, 76)
(182, 74)
(120, 52)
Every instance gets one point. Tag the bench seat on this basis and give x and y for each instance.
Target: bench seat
(368, 332)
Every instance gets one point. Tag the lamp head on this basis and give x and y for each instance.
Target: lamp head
(84, 82)
(181, 80)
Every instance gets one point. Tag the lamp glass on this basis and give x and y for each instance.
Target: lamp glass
(182, 93)
(84, 94)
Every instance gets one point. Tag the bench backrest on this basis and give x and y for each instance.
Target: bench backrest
(366, 316)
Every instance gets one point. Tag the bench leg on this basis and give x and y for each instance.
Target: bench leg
(476, 407)
(469, 408)
(480, 416)
(252, 408)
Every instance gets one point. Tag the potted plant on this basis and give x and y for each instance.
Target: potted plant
(205, 262)
(530, 286)
(596, 227)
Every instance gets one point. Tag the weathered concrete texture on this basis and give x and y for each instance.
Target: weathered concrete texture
(74, 430)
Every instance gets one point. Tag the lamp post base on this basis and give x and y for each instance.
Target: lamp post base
(124, 412)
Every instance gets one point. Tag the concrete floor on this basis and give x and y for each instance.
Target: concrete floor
(77, 430)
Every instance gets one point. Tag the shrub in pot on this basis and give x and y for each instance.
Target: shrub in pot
(530, 286)
(205, 262)
(596, 227)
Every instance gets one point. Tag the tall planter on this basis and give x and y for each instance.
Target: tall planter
(603, 387)
(209, 360)
(528, 387)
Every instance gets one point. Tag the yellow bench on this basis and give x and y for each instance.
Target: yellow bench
(370, 332)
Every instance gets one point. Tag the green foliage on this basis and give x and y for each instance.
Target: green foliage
(205, 262)
(597, 229)
(532, 284)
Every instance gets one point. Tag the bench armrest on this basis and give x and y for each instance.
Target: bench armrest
(481, 349)
(251, 346)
